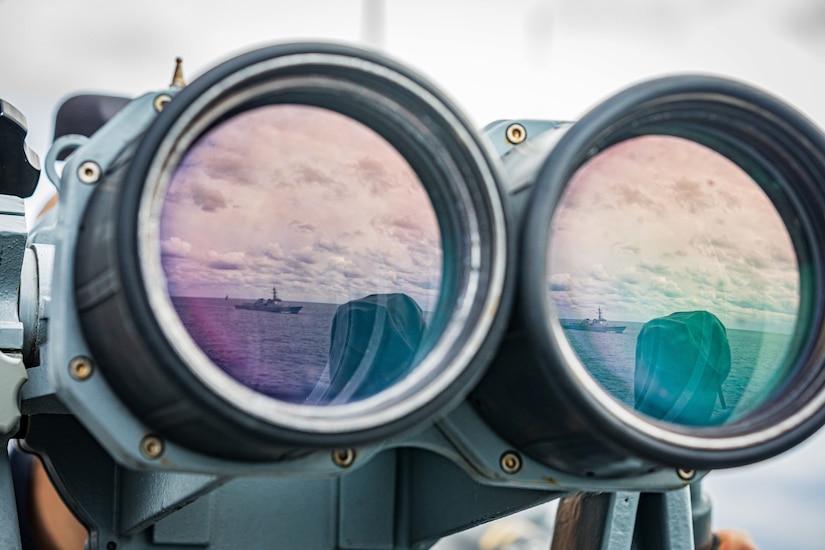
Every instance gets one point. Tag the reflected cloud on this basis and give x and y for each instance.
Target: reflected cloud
(209, 200)
(657, 269)
(627, 195)
(302, 227)
(233, 260)
(303, 198)
(632, 248)
(328, 245)
(691, 231)
(689, 194)
(175, 247)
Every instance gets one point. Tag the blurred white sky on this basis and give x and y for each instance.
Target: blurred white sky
(520, 58)
(548, 59)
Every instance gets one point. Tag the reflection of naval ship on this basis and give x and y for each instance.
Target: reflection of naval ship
(272, 305)
(595, 325)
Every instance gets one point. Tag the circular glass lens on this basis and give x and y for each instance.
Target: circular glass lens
(302, 254)
(675, 281)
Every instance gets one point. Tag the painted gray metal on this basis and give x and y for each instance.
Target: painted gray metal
(625, 520)
(13, 235)
(404, 493)
(9, 532)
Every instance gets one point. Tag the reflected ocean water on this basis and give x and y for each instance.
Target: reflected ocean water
(281, 355)
(610, 358)
(278, 354)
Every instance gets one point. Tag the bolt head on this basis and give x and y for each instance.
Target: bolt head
(686, 475)
(161, 101)
(515, 133)
(151, 446)
(343, 458)
(89, 172)
(81, 368)
(510, 462)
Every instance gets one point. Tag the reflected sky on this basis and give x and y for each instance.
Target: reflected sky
(659, 224)
(304, 199)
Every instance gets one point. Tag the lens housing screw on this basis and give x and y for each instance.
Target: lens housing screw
(686, 475)
(151, 446)
(343, 458)
(515, 133)
(89, 172)
(510, 462)
(81, 368)
(161, 101)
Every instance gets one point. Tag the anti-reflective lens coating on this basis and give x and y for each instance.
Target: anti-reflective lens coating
(305, 248)
(302, 254)
(675, 280)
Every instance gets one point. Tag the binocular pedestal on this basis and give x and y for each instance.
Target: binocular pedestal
(402, 498)
(638, 521)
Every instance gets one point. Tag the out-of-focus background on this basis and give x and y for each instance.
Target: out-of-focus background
(549, 59)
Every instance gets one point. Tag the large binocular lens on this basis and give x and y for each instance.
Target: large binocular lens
(671, 286)
(324, 207)
(310, 250)
(689, 252)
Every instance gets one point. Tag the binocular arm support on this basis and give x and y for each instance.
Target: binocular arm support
(403, 498)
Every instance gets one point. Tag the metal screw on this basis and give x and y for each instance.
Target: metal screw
(510, 462)
(151, 446)
(686, 475)
(81, 368)
(161, 101)
(343, 458)
(515, 133)
(89, 172)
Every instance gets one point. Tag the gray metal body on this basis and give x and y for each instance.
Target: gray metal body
(403, 493)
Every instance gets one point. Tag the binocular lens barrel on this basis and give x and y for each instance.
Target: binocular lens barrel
(671, 286)
(311, 251)
(695, 268)
(323, 207)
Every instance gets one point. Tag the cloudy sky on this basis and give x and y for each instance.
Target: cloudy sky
(549, 59)
(304, 199)
(660, 224)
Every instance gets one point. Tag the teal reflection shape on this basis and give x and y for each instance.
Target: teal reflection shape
(374, 343)
(681, 362)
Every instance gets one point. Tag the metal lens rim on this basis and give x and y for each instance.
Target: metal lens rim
(682, 104)
(480, 287)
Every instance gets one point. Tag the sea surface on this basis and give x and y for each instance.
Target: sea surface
(757, 365)
(279, 354)
(283, 355)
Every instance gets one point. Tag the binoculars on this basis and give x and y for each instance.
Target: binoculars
(303, 302)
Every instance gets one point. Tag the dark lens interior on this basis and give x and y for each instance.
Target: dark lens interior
(675, 281)
(302, 254)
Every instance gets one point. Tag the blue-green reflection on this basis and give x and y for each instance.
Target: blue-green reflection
(681, 362)
(692, 274)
